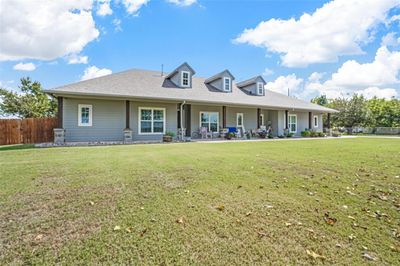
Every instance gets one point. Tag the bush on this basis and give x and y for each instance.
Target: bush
(336, 134)
(281, 136)
(270, 136)
(289, 135)
(321, 134)
(169, 133)
(313, 134)
(305, 133)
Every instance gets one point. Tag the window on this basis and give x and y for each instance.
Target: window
(209, 120)
(315, 121)
(84, 115)
(185, 79)
(239, 120)
(260, 88)
(151, 120)
(227, 84)
(261, 120)
(292, 123)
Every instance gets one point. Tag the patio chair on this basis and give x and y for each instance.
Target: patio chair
(205, 133)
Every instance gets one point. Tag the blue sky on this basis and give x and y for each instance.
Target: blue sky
(323, 52)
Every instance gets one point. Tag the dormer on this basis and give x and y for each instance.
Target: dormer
(254, 86)
(182, 76)
(221, 81)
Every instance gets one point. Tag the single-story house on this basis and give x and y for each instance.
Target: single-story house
(142, 105)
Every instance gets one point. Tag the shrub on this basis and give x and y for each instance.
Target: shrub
(289, 135)
(336, 134)
(305, 133)
(281, 136)
(313, 134)
(321, 134)
(270, 136)
(170, 133)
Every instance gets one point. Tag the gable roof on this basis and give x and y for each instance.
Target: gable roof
(173, 72)
(150, 85)
(219, 75)
(250, 81)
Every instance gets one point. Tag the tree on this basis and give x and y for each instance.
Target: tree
(320, 100)
(31, 102)
(352, 112)
(383, 113)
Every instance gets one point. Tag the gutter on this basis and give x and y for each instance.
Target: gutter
(181, 118)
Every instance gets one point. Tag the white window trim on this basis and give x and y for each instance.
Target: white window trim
(80, 106)
(258, 88)
(202, 112)
(290, 131)
(152, 121)
(237, 119)
(230, 83)
(315, 124)
(187, 72)
(262, 120)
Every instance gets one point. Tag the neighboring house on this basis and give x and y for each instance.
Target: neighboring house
(142, 105)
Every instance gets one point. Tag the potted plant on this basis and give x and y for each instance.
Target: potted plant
(229, 135)
(262, 134)
(168, 136)
(248, 134)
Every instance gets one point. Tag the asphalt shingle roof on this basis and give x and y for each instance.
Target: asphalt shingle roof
(145, 84)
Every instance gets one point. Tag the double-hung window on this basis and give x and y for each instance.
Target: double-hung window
(209, 120)
(151, 120)
(227, 84)
(185, 79)
(260, 88)
(292, 123)
(84, 115)
(315, 121)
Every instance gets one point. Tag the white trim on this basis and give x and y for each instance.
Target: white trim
(295, 115)
(202, 112)
(223, 83)
(152, 120)
(237, 119)
(315, 124)
(80, 106)
(262, 120)
(258, 88)
(186, 72)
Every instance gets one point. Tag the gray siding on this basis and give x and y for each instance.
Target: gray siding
(249, 117)
(108, 120)
(218, 83)
(252, 88)
(170, 119)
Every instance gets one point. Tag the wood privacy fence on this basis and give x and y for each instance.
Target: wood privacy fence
(30, 130)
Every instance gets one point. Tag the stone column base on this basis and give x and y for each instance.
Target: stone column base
(128, 135)
(59, 135)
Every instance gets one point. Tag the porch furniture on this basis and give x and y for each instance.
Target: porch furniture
(205, 133)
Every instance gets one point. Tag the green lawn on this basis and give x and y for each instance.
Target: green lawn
(202, 203)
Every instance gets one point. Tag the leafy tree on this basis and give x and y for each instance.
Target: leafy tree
(383, 113)
(31, 102)
(321, 100)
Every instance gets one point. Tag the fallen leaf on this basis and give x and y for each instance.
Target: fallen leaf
(129, 230)
(288, 224)
(91, 203)
(143, 232)
(117, 228)
(248, 214)
(345, 207)
(338, 245)
(220, 207)
(261, 234)
(39, 237)
(269, 206)
(314, 255)
(329, 220)
(368, 256)
(352, 237)
(180, 220)
(351, 217)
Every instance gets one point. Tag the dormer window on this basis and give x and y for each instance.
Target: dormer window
(185, 79)
(260, 88)
(227, 84)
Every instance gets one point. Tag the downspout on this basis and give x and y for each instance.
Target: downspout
(181, 118)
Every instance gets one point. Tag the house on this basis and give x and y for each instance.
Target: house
(142, 105)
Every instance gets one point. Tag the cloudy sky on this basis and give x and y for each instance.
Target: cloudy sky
(310, 47)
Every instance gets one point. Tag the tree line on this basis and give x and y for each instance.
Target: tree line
(358, 111)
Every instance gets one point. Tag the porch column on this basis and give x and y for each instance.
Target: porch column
(127, 130)
(329, 121)
(309, 120)
(286, 119)
(258, 117)
(188, 115)
(223, 116)
(60, 111)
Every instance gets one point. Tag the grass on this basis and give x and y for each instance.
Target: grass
(202, 203)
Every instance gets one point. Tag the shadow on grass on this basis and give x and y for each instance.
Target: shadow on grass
(16, 147)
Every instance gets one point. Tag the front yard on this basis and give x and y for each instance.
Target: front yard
(319, 201)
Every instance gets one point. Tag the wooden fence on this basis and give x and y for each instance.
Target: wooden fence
(31, 130)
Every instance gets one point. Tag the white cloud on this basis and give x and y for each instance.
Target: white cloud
(95, 72)
(77, 59)
(133, 6)
(103, 8)
(371, 92)
(45, 30)
(338, 28)
(283, 83)
(117, 24)
(182, 2)
(268, 72)
(25, 67)
(390, 39)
